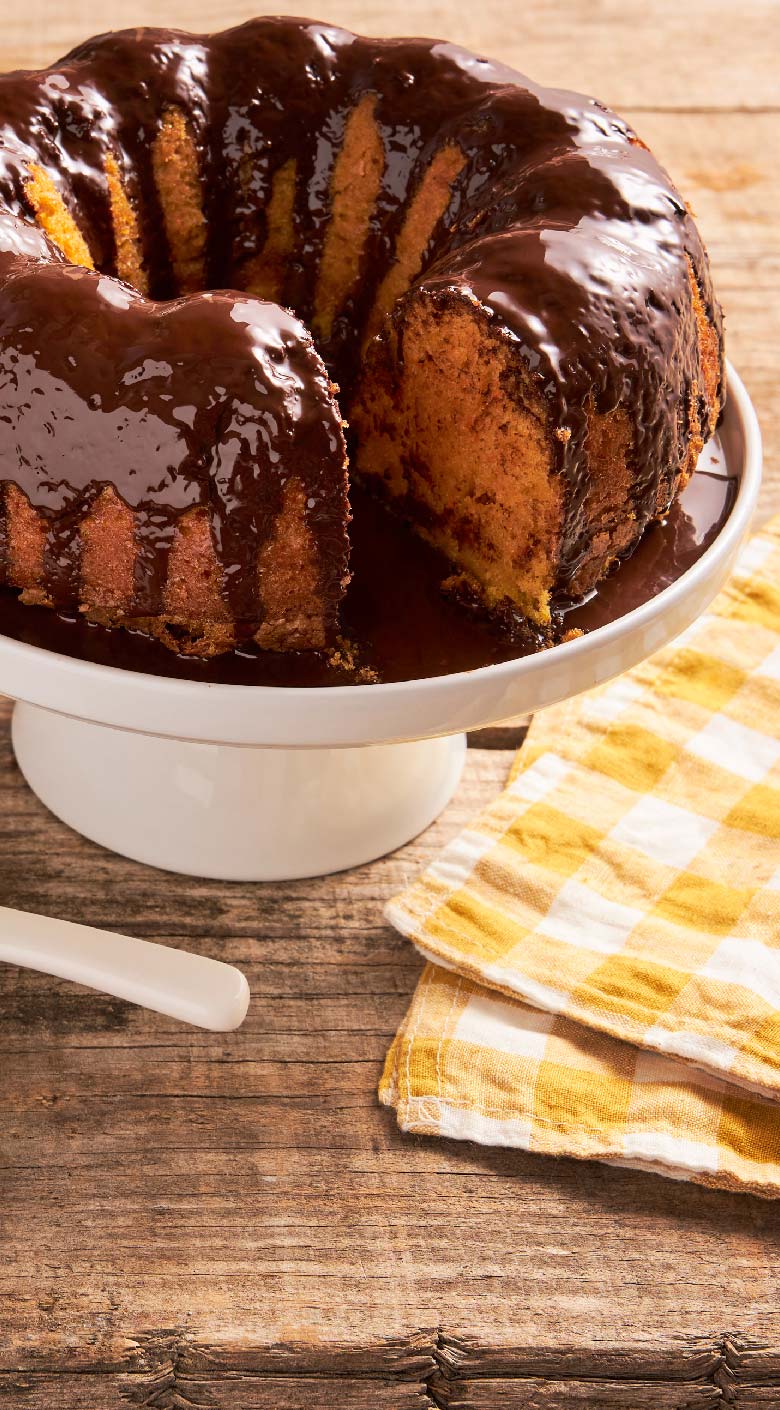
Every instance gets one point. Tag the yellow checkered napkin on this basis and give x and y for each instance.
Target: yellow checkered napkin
(471, 1064)
(627, 883)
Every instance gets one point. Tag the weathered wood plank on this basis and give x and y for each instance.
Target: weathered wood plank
(521, 1394)
(174, 1381)
(168, 1369)
(172, 1391)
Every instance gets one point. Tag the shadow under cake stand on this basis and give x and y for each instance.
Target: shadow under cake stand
(267, 783)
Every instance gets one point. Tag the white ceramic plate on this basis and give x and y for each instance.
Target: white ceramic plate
(149, 765)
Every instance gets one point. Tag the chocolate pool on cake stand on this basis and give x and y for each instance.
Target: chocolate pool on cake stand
(266, 783)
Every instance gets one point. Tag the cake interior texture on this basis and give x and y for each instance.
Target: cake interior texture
(225, 259)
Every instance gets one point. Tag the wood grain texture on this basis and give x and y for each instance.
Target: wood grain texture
(231, 1220)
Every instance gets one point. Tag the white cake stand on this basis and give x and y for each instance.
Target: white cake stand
(267, 783)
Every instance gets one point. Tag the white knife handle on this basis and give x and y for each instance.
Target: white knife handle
(195, 989)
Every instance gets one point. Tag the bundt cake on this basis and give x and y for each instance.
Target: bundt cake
(504, 290)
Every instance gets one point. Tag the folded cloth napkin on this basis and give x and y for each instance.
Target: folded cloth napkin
(605, 937)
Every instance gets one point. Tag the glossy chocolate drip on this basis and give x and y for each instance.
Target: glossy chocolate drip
(166, 403)
(560, 224)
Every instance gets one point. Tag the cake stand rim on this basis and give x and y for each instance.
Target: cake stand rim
(354, 715)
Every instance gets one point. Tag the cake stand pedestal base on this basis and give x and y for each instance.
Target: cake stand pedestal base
(235, 813)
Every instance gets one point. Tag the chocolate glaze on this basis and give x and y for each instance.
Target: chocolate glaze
(174, 418)
(399, 624)
(560, 224)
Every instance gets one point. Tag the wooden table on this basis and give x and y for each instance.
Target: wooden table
(233, 1221)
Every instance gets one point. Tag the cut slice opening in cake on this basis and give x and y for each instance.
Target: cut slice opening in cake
(478, 486)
